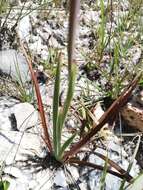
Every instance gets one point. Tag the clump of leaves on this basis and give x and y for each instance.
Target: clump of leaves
(59, 115)
(55, 146)
(50, 64)
(104, 64)
(25, 91)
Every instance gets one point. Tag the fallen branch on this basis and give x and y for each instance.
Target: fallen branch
(112, 111)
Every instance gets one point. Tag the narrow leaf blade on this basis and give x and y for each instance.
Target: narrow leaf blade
(70, 92)
(66, 144)
(56, 104)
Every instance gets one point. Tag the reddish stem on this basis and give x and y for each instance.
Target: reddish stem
(95, 166)
(39, 99)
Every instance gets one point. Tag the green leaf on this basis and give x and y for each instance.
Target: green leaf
(59, 132)
(63, 111)
(104, 173)
(141, 82)
(102, 27)
(59, 116)
(66, 144)
(1, 185)
(56, 105)
(71, 86)
(91, 115)
(4, 185)
(131, 163)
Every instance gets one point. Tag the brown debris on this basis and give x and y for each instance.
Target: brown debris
(133, 115)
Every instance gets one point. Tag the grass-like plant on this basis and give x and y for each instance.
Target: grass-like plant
(101, 31)
(54, 144)
(104, 173)
(50, 64)
(111, 76)
(26, 94)
(131, 163)
(59, 115)
(4, 184)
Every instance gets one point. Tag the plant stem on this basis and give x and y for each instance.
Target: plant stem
(73, 20)
(39, 99)
(98, 167)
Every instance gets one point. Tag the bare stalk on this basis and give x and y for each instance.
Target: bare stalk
(73, 21)
(39, 99)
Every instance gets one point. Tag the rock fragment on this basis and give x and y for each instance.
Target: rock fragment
(133, 115)
(14, 64)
